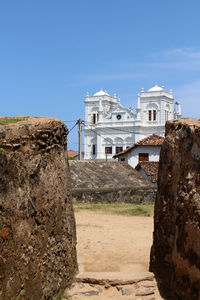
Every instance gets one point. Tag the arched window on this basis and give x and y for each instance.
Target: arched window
(118, 145)
(94, 115)
(108, 145)
(152, 112)
(94, 146)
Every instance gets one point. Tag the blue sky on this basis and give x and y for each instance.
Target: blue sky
(53, 51)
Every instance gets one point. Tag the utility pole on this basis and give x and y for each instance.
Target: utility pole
(80, 139)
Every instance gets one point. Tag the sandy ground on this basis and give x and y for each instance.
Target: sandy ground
(111, 243)
(114, 245)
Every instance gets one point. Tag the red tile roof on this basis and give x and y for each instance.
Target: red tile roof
(71, 153)
(151, 140)
(150, 168)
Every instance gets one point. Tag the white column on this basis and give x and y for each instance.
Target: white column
(87, 149)
(138, 101)
(100, 110)
(179, 110)
(138, 107)
(99, 147)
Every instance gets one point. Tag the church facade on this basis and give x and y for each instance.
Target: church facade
(110, 128)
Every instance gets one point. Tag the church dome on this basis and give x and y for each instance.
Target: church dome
(156, 88)
(101, 93)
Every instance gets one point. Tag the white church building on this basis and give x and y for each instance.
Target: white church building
(110, 128)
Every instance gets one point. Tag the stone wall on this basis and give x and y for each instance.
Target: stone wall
(37, 227)
(97, 181)
(175, 255)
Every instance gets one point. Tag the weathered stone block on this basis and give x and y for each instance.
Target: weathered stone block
(37, 227)
(175, 255)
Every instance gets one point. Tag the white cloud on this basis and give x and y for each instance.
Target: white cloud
(177, 58)
(179, 53)
(84, 80)
(116, 76)
(189, 96)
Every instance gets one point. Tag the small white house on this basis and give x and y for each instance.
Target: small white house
(145, 150)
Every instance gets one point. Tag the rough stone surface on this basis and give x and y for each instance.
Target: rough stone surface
(144, 292)
(37, 227)
(126, 291)
(95, 181)
(175, 255)
(134, 291)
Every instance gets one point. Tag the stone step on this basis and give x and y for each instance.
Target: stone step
(114, 278)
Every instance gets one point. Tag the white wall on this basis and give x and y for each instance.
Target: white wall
(131, 157)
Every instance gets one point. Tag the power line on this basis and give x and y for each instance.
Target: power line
(77, 143)
(102, 137)
(71, 121)
(116, 129)
(93, 130)
(99, 152)
(73, 127)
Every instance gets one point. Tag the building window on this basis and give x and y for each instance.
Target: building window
(122, 159)
(119, 149)
(154, 115)
(143, 157)
(93, 149)
(97, 117)
(94, 119)
(149, 115)
(108, 150)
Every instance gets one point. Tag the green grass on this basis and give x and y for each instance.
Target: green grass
(7, 120)
(124, 209)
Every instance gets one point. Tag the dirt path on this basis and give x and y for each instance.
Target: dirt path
(111, 243)
(114, 246)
